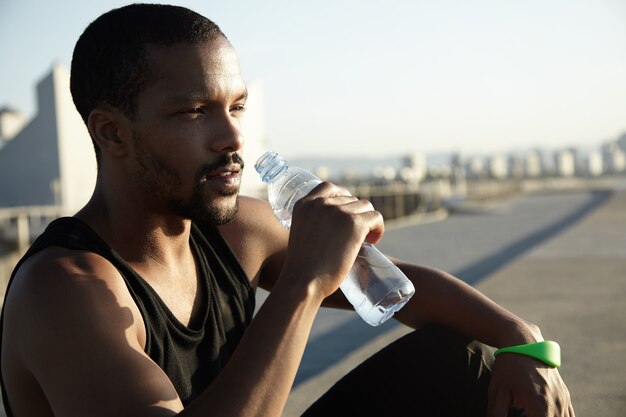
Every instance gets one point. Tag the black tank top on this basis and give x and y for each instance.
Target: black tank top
(191, 357)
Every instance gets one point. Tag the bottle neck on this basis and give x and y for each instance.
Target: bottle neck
(270, 165)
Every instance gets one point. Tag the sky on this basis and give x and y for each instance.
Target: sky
(386, 77)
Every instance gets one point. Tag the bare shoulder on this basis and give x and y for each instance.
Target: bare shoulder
(256, 236)
(255, 221)
(73, 338)
(57, 273)
(61, 284)
(255, 215)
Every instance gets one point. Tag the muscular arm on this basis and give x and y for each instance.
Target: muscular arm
(73, 342)
(442, 298)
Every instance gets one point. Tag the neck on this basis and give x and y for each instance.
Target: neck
(136, 231)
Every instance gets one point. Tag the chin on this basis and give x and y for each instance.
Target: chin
(219, 214)
(208, 211)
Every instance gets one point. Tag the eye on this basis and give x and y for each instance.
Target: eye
(237, 109)
(191, 113)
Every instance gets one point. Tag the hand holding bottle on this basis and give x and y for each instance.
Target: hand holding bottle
(374, 285)
(327, 247)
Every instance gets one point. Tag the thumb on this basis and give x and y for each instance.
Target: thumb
(498, 403)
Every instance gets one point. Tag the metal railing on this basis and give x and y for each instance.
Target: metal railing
(19, 225)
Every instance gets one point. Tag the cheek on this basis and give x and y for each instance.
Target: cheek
(188, 155)
(177, 150)
(161, 171)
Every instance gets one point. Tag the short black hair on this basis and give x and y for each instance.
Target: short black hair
(110, 63)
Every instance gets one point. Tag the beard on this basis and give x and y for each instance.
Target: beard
(164, 181)
(201, 211)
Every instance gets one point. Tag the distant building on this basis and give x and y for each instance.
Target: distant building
(594, 166)
(497, 166)
(579, 165)
(621, 142)
(475, 168)
(458, 178)
(456, 160)
(516, 166)
(50, 161)
(414, 167)
(384, 174)
(456, 165)
(565, 163)
(11, 122)
(613, 158)
(323, 172)
(533, 164)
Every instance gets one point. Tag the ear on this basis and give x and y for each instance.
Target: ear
(110, 129)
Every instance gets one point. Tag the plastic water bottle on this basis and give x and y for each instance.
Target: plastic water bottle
(375, 286)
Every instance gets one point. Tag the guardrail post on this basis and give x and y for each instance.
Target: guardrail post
(23, 232)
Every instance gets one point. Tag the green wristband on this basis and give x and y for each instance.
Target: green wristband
(548, 352)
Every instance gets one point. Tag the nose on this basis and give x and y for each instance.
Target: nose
(227, 136)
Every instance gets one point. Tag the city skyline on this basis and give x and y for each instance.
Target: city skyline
(371, 79)
(603, 158)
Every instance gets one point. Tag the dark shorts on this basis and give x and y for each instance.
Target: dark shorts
(431, 372)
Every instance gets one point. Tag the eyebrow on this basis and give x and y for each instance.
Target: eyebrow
(243, 95)
(203, 97)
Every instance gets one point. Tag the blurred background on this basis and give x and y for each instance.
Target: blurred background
(499, 121)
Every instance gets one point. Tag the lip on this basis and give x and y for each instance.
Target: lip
(229, 175)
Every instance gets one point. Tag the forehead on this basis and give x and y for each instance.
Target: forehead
(210, 67)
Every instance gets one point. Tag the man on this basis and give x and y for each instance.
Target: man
(141, 304)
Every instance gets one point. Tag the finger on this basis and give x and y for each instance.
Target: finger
(570, 406)
(341, 200)
(328, 189)
(498, 403)
(357, 205)
(348, 204)
(376, 226)
(571, 411)
(364, 213)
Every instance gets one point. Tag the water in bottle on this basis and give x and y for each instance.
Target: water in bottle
(375, 286)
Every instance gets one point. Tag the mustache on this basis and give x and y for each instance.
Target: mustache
(224, 161)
